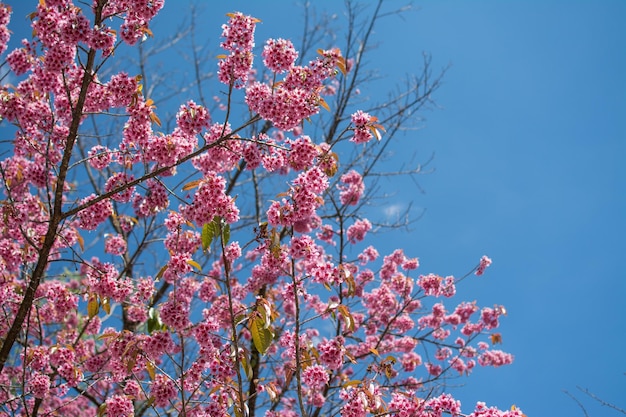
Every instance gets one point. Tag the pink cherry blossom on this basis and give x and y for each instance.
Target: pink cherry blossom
(91, 217)
(358, 230)
(484, 263)
(315, 376)
(279, 55)
(362, 134)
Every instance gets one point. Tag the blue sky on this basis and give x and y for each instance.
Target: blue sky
(529, 168)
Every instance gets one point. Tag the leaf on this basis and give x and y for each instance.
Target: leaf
(149, 403)
(351, 285)
(194, 264)
(375, 132)
(349, 320)
(222, 56)
(275, 243)
(245, 363)
(271, 391)
(191, 185)
(323, 103)
(106, 305)
(261, 336)
(352, 383)
(240, 319)
(264, 308)
(131, 361)
(351, 357)
(155, 118)
(81, 241)
(306, 360)
(374, 351)
(102, 409)
(150, 369)
(207, 235)
(93, 306)
(341, 64)
(161, 272)
(154, 321)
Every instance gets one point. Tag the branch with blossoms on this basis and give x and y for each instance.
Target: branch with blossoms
(218, 267)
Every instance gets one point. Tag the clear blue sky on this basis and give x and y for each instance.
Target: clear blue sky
(530, 169)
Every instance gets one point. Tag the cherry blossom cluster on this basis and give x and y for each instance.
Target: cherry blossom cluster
(279, 55)
(146, 308)
(297, 97)
(209, 201)
(484, 264)
(238, 37)
(361, 121)
(351, 188)
(136, 16)
(5, 17)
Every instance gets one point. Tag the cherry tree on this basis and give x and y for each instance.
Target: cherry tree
(219, 261)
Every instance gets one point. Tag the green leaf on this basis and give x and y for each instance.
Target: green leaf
(207, 235)
(261, 336)
(154, 321)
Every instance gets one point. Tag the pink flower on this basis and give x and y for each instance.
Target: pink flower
(361, 121)
(20, 60)
(331, 352)
(115, 245)
(119, 180)
(279, 55)
(484, 263)
(436, 286)
(239, 40)
(119, 406)
(157, 344)
(103, 38)
(302, 153)
(209, 201)
(495, 358)
(351, 189)
(40, 385)
(90, 217)
(235, 68)
(154, 201)
(444, 403)
(434, 370)
(163, 390)
(369, 254)
(175, 314)
(315, 376)
(192, 118)
(99, 157)
(238, 34)
(358, 230)
(5, 17)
